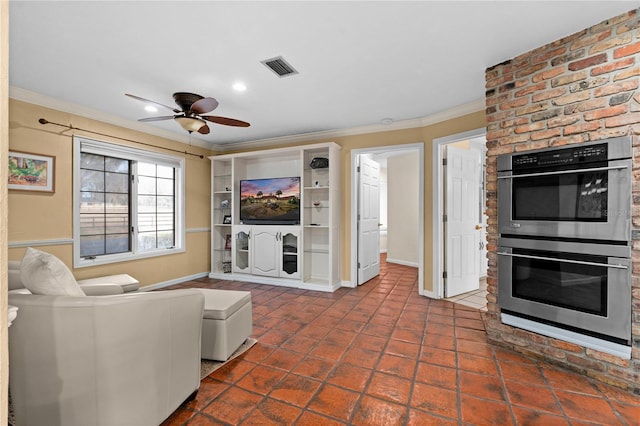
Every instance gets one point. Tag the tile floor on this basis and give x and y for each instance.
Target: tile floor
(474, 299)
(383, 355)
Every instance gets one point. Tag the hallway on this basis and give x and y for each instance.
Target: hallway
(381, 354)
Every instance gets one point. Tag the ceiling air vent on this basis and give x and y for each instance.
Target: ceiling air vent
(279, 66)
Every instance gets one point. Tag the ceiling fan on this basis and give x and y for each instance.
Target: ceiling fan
(189, 116)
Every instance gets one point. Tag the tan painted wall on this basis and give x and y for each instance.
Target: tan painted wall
(43, 216)
(28, 220)
(403, 209)
(397, 137)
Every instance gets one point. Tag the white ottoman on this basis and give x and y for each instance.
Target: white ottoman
(227, 322)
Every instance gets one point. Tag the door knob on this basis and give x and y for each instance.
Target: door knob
(478, 227)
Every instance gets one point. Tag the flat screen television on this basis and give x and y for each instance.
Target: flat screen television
(271, 201)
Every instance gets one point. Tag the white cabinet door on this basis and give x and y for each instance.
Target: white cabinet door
(241, 247)
(289, 252)
(266, 251)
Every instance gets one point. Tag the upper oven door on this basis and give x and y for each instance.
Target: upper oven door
(583, 203)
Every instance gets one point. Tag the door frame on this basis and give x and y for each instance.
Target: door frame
(355, 153)
(438, 205)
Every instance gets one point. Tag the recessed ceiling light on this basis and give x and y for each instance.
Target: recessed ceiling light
(151, 108)
(239, 86)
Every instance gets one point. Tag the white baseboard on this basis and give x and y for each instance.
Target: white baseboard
(173, 282)
(403, 262)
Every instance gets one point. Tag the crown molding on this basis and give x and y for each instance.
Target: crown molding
(23, 95)
(72, 108)
(458, 111)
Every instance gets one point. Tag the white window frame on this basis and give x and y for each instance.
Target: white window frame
(109, 149)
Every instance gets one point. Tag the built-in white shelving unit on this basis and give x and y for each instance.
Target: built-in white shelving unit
(305, 254)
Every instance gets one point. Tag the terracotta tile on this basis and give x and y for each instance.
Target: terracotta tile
(435, 400)
(309, 418)
(349, 376)
(405, 349)
(615, 394)
(295, 389)
(391, 388)
(484, 412)
(272, 412)
(472, 314)
(369, 342)
(631, 413)
(586, 407)
(232, 371)
(406, 335)
(300, 344)
(565, 380)
(275, 337)
(377, 330)
(537, 418)
(434, 320)
(314, 367)
(471, 324)
(178, 417)
(532, 397)
(208, 391)
(334, 402)
(372, 411)
(315, 332)
(291, 326)
(420, 418)
(283, 359)
(258, 352)
(469, 334)
(440, 341)
(204, 420)
(361, 357)
(261, 379)
(523, 373)
(477, 364)
(437, 375)
(354, 326)
(481, 386)
(232, 405)
(474, 348)
(398, 366)
(340, 337)
(438, 356)
(331, 351)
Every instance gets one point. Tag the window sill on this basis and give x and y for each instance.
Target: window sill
(124, 257)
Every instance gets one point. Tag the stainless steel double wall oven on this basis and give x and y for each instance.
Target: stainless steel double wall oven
(564, 217)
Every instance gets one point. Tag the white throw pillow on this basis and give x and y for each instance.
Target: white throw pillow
(43, 273)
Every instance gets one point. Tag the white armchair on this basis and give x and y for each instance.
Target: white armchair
(128, 359)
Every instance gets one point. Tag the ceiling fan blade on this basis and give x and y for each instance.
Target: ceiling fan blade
(225, 121)
(204, 130)
(152, 102)
(204, 105)
(166, 117)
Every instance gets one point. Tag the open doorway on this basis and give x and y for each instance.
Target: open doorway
(459, 220)
(388, 226)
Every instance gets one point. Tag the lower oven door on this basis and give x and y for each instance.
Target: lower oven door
(588, 291)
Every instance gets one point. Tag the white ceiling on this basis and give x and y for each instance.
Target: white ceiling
(358, 62)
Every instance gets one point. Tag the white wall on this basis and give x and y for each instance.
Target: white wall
(403, 209)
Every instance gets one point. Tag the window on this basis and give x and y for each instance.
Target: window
(129, 203)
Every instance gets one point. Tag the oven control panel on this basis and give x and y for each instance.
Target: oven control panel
(561, 157)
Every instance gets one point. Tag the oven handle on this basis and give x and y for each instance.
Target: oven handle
(553, 259)
(564, 172)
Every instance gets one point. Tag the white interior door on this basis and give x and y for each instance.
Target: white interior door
(462, 229)
(368, 220)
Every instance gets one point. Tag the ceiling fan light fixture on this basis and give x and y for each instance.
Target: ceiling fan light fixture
(190, 124)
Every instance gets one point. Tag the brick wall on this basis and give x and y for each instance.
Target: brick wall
(581, 88)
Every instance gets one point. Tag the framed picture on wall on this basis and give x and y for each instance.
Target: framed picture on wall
(31, 172)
